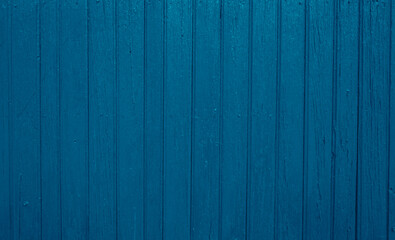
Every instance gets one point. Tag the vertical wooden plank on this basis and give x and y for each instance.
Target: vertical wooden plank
(345, 136)
(391, 199)
(102, 142)
(290, 120)
(73, 72)
(5, 44)
(50, 164)
(263, 128)
(374, 121)
(235, 109)
(205, 158)
(177, 146)
(130, 126)
(25, 119)
(318, 115)
(154, 76)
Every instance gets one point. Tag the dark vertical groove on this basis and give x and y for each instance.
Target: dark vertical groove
(249, 117)
(193, 79)
(144, 125)
(38, 35)
(277, 123)
(10, 121)
(359, 96)
(334, 115)
(221, 117)
(305, 120)
(163, 112)
(88, 117)
(389, 123)
(59, 145)
(116, 112)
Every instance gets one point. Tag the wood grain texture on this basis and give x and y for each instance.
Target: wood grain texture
(74, 142)
(263, 97)
(154, 118)
(25, 121)
(235, 119)
(130, 85)
(206, 116)
(290, 120)
(50, 121)
(102, 119)
(345, 122)
(5, 53)
(318, 119)
(373, 121)
(196, 119)
(177, 119)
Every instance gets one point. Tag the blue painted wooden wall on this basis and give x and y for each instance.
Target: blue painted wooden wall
(197, 119)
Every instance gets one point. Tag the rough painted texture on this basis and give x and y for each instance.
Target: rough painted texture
(345, 122)
(197, 119)
(25, 121)
(290, 125)
(373, 140)
(74, 105)
(5, 53)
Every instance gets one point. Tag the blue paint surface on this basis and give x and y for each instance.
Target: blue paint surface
(197, 119)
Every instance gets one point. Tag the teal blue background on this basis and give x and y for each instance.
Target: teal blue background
(197, 119)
